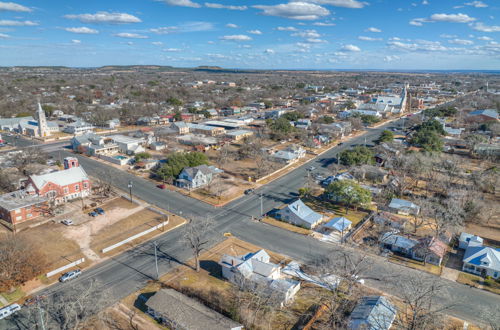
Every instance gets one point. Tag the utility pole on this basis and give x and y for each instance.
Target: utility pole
(156, 261)
(130, 190)
(261, 206)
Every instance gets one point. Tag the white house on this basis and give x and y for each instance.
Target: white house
(128, 145)
(195, 177)
(255, 269)
(299, 214)
(478, 259)
(402, 206)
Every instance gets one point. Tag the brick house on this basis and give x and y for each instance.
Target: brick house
(19, 206)
(61, 186)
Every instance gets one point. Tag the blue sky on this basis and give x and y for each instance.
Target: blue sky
(260, 34)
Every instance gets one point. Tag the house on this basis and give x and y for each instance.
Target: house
(339, 224)
(404, 207)
(429, 249)
(195, 177)
(465, 240)
(177, 311)
(478, 259)
(78, 127)
(372, 313)
(397, 243)
(158, 146)
(481, 116)
(206, 129)
(61, 186)
(93, 144)
(254, 270)
(181, 127)
(238, 135)
(112, 123)
(19, 206)
(299, 214)
(128, 145)
(391, 220)
(289, 155)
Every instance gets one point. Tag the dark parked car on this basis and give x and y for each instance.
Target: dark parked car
(93, 214)
(248, 191)
(99, 210)
(162, 186)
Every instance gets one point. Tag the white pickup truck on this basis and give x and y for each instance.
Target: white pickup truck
(9, 310)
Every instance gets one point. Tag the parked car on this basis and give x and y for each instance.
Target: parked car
(340, 143)
(93, 214)
(70, 275)
(99, 211)
(67, 222)
(162, 186)
(311, 168)
(248, 191)
(9, 310)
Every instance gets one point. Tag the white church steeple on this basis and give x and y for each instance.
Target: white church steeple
(43, 129)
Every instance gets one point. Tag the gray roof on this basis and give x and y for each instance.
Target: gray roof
(373, 313)
(339, 223)
(17, 199)
(304, 212)
(192, 171)
(398, 240)
(187, 313)
(487, 112)
(483, 256)
(403, 204)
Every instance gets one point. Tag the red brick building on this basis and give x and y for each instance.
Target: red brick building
(19, 206)
(61, 186)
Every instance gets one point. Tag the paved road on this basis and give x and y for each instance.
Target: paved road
(131, 270)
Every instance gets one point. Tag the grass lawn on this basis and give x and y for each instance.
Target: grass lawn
(287, 226)
(14, 295)
(429, 268)
(131, 225)
(120, 202)
(335, 210)
(477, 281)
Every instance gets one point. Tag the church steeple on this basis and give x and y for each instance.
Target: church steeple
(43, 129)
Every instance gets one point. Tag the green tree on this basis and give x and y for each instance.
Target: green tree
(428, 140)
(350, 193)
(177, 116)
(357, 156)
(350, 105)
(177, 161)
(293, 116)
(141, 156)
(326, 120)
(386, 136)
(174, 101)
(280, 128)
(304, 191)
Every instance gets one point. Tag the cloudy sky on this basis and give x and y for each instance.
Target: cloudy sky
(300, 34)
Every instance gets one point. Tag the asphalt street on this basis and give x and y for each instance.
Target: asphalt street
(130, 271)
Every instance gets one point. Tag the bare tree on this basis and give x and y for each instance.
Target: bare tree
(196, 234)
(420, 308)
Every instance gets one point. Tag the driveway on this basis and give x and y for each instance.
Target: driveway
(453, 265)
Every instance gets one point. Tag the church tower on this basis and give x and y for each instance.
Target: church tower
(43, 129)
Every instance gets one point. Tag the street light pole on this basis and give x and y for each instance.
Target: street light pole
(156, 261)
(130, 190)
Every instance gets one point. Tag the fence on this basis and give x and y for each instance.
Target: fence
(60, 269)
(131, 238)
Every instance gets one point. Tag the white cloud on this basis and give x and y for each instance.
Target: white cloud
(373, 29)
(295, 10)
(341, 3)
(236, 37)
(323, 24)
(351, 48)
(182, 3)
(315, 40)
(450, 18)
(307, 34)
(369, 38)
(269, 51)
(76, 42)
(130, 35)
(6, 22)
(425, 2)
(4, 36)
(157, 43)
(286, 28)
(185, 27)
(232, 26)
(453, 18)
(220, 6)
(485, 38)
(391, 58)
(172, 50)
(256, 32)
(461, 42)
(165, 30)
(477, 4)
(448, 36)
(418, 45)
(485, 28)
(82, 30)
(12, 6)
(105, 17)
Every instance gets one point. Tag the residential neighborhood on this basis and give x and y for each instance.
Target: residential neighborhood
(222, 201)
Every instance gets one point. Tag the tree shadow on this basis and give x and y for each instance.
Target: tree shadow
(212, 267)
